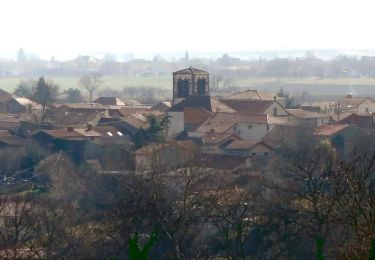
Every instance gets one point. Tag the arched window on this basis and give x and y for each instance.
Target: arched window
(182, 88)
(201, 87)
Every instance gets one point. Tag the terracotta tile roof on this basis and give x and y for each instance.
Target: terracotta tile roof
(329, 130)
(216, 138)
(77, 118)
(191, 71)
(87, 133)
(300, 113)
(104, 130)
(352, 102)
(136, 120)
(252, 94)
(106, 101)
(209, 103)
(61, 133)
(161, 106)
(249, 106)
(128, 110)
(194, 116)
(88, 106)
(221, 122)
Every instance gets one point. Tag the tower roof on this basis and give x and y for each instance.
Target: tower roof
(191, 71)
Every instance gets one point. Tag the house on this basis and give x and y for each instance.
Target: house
(246, 126)
(365, 120)
(342, 136)
(161, 106)
(355, 104)
(165, 156)
(194, 117)
(266, 107)
(127, 125)
(22, 105)
(4, 98)
(78, 107)
(69, 133)
(123, 111)
(111, 135)
(251, 94)
(109, 101)
(177, 111)
(306, 118)
(77, 119)
(216, 142)
(249, 148)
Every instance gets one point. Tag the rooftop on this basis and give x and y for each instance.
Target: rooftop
(329, 130)
(209, 103)
(191, 71)
(252, 94)
(249, 106)
(351, 102)
(221, 122)
(216, 138)
(300, 113)
(106, 101)
(194, 116)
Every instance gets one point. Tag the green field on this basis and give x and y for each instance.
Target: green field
(313, 85)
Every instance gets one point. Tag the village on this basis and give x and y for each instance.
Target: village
(229, 133)
(200, 163)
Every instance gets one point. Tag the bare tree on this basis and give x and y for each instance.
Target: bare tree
(45, 94)
(91, 83)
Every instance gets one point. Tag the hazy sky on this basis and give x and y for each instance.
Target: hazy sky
(67, 27)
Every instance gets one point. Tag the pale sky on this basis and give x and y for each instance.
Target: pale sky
(69, 27)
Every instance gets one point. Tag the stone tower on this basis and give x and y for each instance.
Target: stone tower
(190, 82)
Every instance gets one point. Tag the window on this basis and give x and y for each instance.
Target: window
(183, 88)
(367, 110)
(265, 153)
(201, 87)
(109, 133)
(253, 154)
(275, 111)
(119, 133)
(250, 126)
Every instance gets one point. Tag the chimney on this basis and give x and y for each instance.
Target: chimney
(70, 128)
(89, 126)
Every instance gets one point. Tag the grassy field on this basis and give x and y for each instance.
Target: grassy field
(317, 87)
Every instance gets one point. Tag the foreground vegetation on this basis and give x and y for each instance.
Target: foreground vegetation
(310, 202)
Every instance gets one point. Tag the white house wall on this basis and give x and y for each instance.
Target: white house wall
(176, 124)
(249, 131)
(280, 110)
